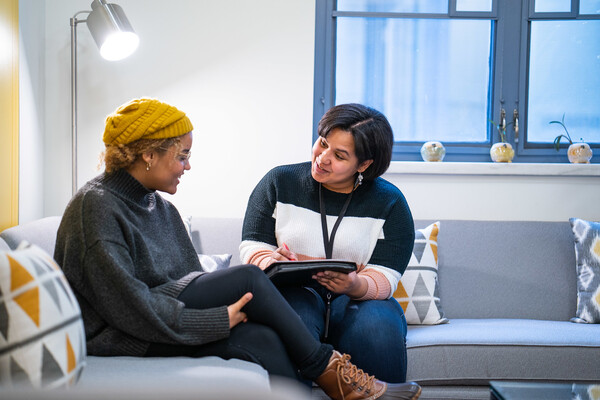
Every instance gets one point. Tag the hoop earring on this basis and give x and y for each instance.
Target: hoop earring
(148, 165)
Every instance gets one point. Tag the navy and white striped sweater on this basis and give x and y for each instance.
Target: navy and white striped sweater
(377, 231)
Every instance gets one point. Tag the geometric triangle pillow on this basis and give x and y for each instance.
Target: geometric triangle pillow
(587, 255)
(418, 289)
(42, 341)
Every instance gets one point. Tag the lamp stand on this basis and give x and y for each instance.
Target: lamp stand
(104, 21)
(74, 21)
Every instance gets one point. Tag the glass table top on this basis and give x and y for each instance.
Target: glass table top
(544, 391)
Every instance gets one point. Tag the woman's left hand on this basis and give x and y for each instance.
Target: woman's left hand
(337, 282)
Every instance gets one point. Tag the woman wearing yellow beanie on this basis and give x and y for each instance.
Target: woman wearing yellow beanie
(140, 284)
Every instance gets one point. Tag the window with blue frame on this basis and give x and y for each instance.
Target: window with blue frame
(444, 69)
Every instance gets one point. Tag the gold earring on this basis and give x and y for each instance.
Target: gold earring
(148, 165)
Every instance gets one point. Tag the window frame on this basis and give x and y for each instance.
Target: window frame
(542, 152)
(511, 31)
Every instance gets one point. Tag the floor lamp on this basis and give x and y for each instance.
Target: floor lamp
(116, 40)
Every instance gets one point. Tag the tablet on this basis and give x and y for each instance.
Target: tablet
(298, 273)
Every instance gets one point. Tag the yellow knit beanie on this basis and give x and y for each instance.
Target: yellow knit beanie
(145, 118)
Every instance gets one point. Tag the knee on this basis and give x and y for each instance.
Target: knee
(384, 318)
(250, 273)
(378, 309)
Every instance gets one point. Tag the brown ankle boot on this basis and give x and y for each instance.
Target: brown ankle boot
(402, 391)
(342, 380)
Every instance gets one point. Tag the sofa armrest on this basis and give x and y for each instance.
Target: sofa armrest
(41, 232)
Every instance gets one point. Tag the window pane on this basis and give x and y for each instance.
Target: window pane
(474, 5)
(401, 6)
(564, 77)
(589, 6)
(552, 6)
(430, 77)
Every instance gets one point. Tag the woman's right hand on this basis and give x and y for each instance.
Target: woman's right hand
(283, 253)
(235, 310)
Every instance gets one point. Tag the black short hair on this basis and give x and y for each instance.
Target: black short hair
(372, 133)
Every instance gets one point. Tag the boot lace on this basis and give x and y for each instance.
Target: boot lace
(352, 375)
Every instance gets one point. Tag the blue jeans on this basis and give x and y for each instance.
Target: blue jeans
(373, 332)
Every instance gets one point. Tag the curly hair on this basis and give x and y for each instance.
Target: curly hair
(121, 156)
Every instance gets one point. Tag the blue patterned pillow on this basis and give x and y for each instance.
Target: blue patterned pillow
(587, 254)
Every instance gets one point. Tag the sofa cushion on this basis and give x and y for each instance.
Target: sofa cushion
(162, 378)
(42, 341)
(214, 235)
(213, 262)
(209, 262)
(507, 269)
(41, 232)
(474, 351)
(175, 372)
(587, 254)
(418, 289)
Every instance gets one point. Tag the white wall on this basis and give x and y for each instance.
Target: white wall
(243, 71)
(31, 107)
(504, 192)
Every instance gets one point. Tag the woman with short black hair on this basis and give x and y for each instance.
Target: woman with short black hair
(338, 206)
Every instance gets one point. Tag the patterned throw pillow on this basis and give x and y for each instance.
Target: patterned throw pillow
(587, 255)
(213, 262)
(42, 341)
(418, 290)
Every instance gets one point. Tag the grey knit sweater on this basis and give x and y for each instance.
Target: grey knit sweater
(126, 253)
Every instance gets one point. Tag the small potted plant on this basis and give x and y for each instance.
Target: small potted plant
(433, 151)
(502, 151)
(578, 153)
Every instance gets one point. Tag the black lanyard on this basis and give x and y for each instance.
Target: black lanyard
(327, 240)
(328, 243)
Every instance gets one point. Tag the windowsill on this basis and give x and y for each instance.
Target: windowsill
(491, 168)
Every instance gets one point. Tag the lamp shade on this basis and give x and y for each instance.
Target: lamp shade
(111, 31)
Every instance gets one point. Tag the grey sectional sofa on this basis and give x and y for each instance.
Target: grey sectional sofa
(508, 289)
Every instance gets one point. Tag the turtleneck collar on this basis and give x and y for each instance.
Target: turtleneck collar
(125, 185)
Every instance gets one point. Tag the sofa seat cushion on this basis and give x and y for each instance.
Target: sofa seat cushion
(180, 378)
(475, 351)
(174, 372)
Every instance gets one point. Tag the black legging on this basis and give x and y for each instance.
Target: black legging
(274, 336)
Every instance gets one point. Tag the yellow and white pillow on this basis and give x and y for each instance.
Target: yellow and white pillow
(42, 340)
(418, 290)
